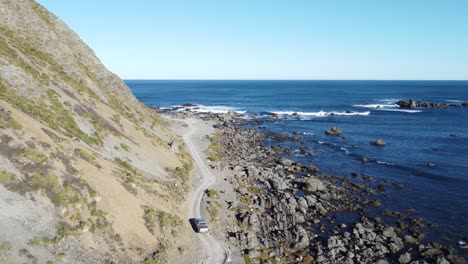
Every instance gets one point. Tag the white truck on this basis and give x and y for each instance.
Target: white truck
(200, 225)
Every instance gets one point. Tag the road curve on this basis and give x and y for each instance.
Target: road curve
(214, 251)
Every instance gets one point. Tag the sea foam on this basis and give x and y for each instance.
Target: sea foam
(384, 163)
(390, 106)
(377, 106)
(320, 113)
(401, 110)
(215, 109)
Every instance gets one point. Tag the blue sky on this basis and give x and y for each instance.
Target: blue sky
(256, 39)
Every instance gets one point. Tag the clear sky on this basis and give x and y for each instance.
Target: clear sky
(287, 39)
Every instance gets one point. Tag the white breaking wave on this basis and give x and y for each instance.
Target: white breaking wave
(246, 117)
(454, 101)
(321, 113)
(215, 109)
(401, 110)
(384, 162)
(164, 107)
(387, 107)
(377, 106)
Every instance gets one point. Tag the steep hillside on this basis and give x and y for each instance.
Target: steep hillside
(87, 173)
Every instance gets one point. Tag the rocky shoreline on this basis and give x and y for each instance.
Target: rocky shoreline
(291, 213)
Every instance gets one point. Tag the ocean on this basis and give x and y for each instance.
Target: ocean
(364, 111)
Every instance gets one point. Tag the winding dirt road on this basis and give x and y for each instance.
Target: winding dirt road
(214, 251)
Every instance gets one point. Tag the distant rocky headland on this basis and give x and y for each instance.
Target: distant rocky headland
(412, 104)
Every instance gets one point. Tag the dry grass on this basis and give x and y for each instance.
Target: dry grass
(164, 220)
(6, 177)
(34, 157)
(215, 148)
(10, 123)
(5, 251)
(87, 156)
(63, 195)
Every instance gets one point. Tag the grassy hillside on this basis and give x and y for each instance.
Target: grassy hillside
(87, 172)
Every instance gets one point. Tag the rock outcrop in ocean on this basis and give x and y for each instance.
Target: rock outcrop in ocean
(412, 104)
(334, 131)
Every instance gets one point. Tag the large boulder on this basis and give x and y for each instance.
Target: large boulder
(286, 162)
(404, 258)
(334, 131)
(311, 199)
(302, 238)
(227, 117)
(279, 184)
(396, 244)
(389, 232)
(302, 202)
(314, 185)
(312, 168)
(379, 142)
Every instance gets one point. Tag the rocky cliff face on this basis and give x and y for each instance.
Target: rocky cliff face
(87, 173)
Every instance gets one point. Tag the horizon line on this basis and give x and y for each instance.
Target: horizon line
(188, 79)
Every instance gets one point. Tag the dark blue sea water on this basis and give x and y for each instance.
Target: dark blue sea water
(365, 112)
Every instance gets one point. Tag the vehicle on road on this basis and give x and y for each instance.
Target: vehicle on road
(200, 225)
